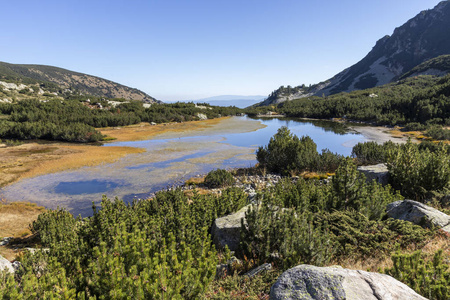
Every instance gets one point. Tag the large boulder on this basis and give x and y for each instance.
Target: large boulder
(6, 264)
(419, 214)
(226, 231)
(310, 282)
(378, 172)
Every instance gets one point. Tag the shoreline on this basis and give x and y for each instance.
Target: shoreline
(34, 159)
(379, 134)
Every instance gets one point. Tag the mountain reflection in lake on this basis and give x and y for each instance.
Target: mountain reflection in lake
(171, 158)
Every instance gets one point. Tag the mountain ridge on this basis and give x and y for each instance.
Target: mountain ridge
(420, 39)
(85, 83)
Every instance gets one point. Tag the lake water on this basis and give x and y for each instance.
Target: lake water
(171, 159)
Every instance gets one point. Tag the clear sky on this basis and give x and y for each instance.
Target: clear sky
(175, 50)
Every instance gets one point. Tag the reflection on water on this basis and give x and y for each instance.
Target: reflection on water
(168, 161)
(85, 187)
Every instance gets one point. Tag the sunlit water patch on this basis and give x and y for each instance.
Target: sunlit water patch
(170, 158)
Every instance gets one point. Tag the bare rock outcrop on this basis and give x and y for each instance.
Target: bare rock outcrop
(310, 282)
(6, 264)
(419, 214)
(226, 230)
(378, 172)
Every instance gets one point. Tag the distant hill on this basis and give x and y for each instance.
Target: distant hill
(421, 39)
(229, 100)
(86, 84)
(232, 97)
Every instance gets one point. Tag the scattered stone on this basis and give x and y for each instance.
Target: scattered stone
(5, 241)
(227, 268)
(202, 116)
(419, 214)
(310, 282)
(259, 269)
(13, 86)
(6, 265)
(378, 172)
(16, 265)
(33, 250)
(226, 230)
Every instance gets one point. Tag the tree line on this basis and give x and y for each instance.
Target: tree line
(74, 121)
(421, 100)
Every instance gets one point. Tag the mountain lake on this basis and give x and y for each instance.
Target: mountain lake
(170, 159)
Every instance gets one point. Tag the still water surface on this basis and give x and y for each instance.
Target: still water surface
(168, 160)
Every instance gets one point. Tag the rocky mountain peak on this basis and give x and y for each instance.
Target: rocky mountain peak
(424, 37)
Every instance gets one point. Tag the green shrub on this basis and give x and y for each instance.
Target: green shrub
(438, 133)
(284, 237)
(414, 126)
(287, 154)
(370, 153)
(219, 178)
(158, 248)
(419, 174)
(351, 190)
(55, 226)
(356, 236)
(428, 277)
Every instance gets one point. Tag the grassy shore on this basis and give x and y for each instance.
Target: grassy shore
(34, 159)
(15, 219)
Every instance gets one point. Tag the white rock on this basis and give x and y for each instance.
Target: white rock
(6, 264)
(418, 213)
(310, 282)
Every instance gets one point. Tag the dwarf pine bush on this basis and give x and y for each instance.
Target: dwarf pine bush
(428, 277)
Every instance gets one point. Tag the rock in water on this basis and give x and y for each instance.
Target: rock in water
(418, 213)
(335, 283)
(378, 172)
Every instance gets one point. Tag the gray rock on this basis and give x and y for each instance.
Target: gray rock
(257, 270)
(6, 264)
(226, 230)
(5, 241)
(419, 214)
(378, 172)
(202, 116)
(310, 282)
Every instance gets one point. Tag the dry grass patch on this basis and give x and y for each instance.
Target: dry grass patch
(33, 159)
(371, 264)
(416, 136)
(145, 131)
(15, 218)
(381, 261)
(314, 175)
(397, 133)
(195, 180)
(80, 156)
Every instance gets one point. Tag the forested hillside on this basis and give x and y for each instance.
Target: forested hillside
(75, 120)
(421, 99)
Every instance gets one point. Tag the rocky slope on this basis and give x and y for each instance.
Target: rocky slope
(65, 79)
(422, 38)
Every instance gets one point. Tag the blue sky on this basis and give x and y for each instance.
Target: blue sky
(176, 50)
